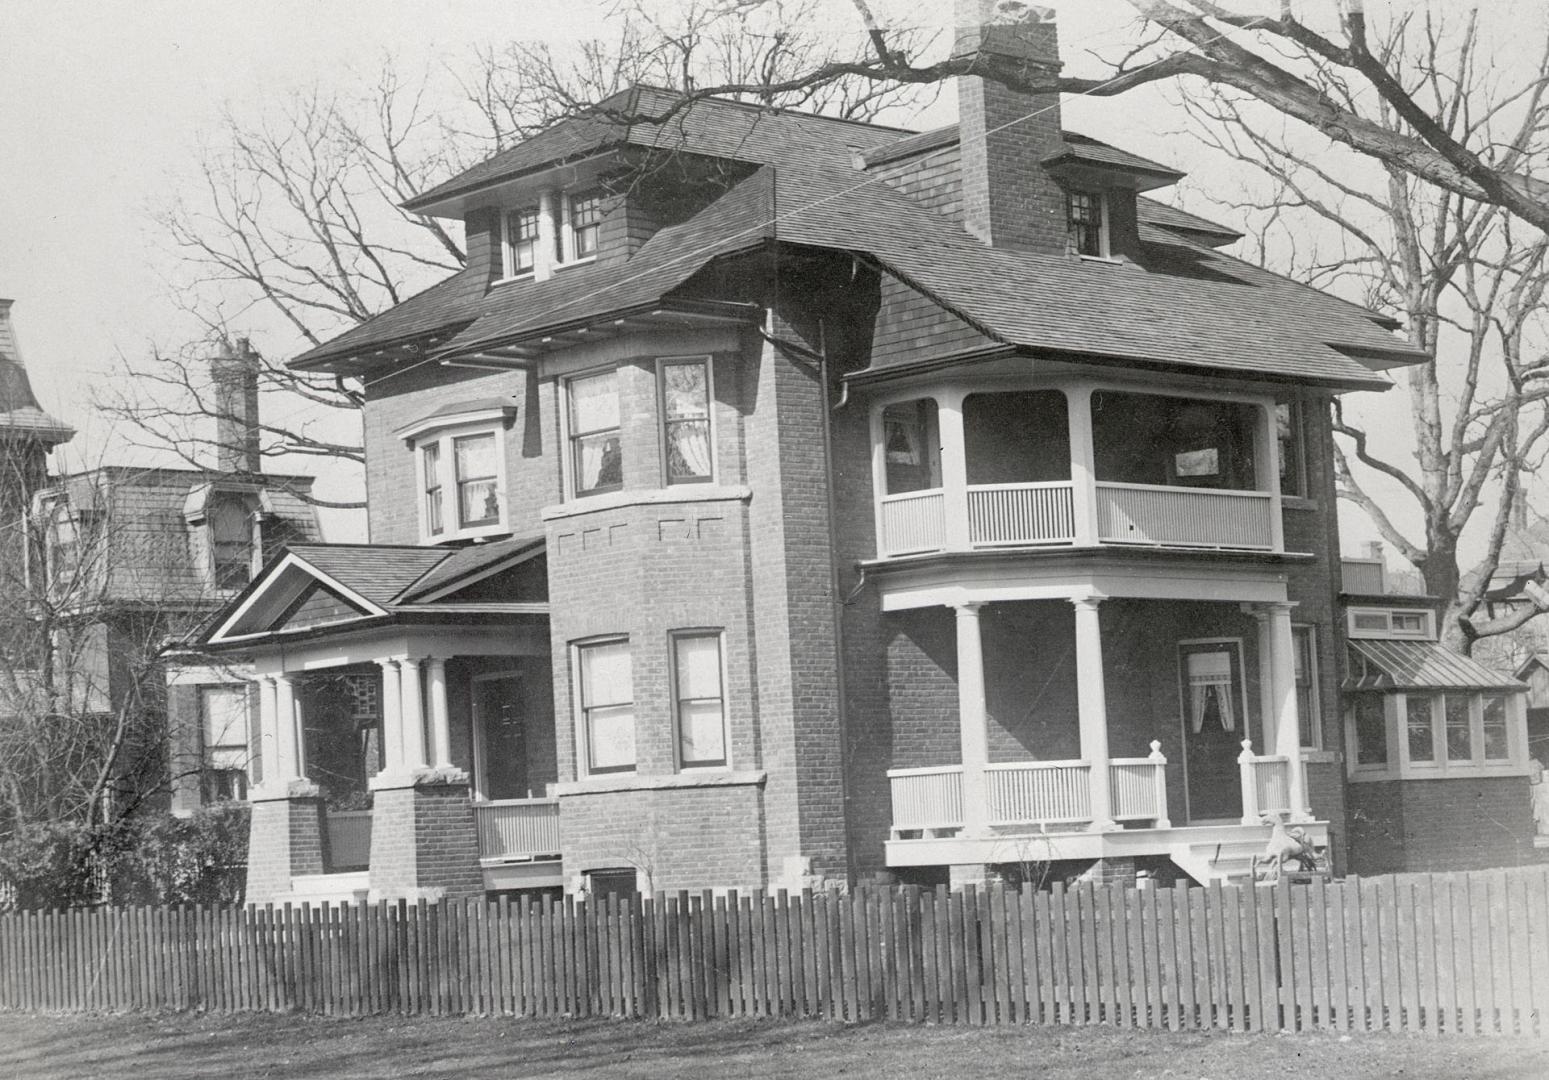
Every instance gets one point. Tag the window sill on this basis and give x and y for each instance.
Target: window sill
(708, 778)
(1110, 260)
(480, 532)
(1297, 502)
(678, 493)
(1506, 771)
(528, 275)
(1319, 757)
(573, 263)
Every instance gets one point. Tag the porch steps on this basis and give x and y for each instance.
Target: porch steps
(1220, 860)
(315, 889)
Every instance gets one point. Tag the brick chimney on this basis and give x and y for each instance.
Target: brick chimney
(1009, 199)
(234, 372)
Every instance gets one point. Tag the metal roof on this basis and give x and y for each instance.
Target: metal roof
(1419, 665)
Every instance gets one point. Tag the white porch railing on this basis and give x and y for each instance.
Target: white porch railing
(1151, 514)
(1266, 783)
(1039, 792)
(349, 838)
(517, 828)
(1138, 788)
(1020, 514)
(913, 522)
(927, 798)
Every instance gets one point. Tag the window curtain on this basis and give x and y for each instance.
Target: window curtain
(1210, 680)
(686, 398)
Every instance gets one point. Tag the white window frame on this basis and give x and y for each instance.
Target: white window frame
(1105, 247)
(444, 430)
(1427, 632)
(583, 742)
(1311, 724)
(508, 270)
(208, 750)
(1401, 766)
(568, 255)
(1295, 486)
(567, 453)
(662, 363)
(675, 636)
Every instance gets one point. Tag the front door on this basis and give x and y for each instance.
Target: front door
(1215, 721)
(500, 735)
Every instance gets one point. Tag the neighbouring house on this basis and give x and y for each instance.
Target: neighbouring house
(775, 501)
(121, 561)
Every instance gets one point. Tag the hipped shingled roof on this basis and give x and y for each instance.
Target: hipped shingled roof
(20, 414)
(1191, 307)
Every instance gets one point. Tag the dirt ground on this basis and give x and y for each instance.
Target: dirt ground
(174, 1047)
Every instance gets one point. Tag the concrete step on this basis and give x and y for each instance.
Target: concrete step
(351, 888)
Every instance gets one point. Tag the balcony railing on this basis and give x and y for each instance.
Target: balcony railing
(1025, 515)
(1020, 514)
(913, 522)
(517, 828)
(1192, 517)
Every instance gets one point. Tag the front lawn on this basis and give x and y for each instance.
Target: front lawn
(175, 1047)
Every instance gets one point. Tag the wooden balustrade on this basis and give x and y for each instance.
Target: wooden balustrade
(517, 828)
(1138, 788)
(1266, 783)
(927, 798)
(349, 839)
(913, 522)
(1195, 517)
(1039, 792)
(1020, 514)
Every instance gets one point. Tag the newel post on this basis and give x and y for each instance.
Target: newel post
(1250, 787)
(1159, 779)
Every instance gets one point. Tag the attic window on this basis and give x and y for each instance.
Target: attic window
(231, 540)
(521, 241)
(1088, 224)
(584, 225)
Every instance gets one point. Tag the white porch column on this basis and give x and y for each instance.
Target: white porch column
(288, 742)
(392, 717)
(413, 713)
(1267, 440)
(974, 735)
(1083, 464)
(1288, 735)
(1092, 702)
(954, 470)
(268, 731)
(440, 729)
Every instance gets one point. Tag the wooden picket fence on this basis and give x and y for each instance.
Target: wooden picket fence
(1434, 953)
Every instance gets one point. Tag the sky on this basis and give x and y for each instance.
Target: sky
(103, 106)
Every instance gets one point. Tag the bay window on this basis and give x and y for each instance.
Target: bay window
(1436, 734)
(606, 703)
(460, 470)
(700, 704)
(430, 472)
(684, 403)
(596, 454)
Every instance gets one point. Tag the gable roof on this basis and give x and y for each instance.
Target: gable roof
(1190, 307)
(378, 584)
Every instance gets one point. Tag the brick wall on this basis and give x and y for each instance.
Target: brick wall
(284, 839)
(1439, 825)
(424, 839)
(678, 838)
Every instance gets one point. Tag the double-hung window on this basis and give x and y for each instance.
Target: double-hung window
(460, 470)
(476, 465)
(1088, 227)
(685, 417)
(521, 241)
(1305, 649)
(596, 454)
(585, 224)
(699, 699)
(606, 699)
(1439, 734)
(224, 715)
(430, 471)
(1288, 433)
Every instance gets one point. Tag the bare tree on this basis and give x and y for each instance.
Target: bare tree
(1464, 275)
(1281, 60)
(298, 211)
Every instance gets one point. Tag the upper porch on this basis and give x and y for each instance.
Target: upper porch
(1070, 462)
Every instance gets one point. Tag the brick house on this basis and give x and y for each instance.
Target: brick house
(776, 500)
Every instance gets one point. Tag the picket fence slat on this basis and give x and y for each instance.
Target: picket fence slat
(1434, 953)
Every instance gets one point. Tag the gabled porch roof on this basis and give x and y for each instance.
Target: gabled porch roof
(312, 590)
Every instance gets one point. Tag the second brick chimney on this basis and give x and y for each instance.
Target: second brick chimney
(234, 372)
(1009, 200)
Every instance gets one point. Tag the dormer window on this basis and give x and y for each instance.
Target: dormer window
(521, 242)
(583, 226)
(231, 539)
(460, 469)
(1087, 222)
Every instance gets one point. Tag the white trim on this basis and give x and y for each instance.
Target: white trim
(479, 416)
(1400, 766)
(290, 561)
(1427, 616)
(447, 431)
(677, 493)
